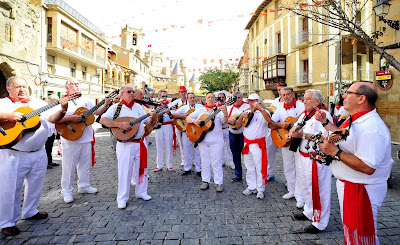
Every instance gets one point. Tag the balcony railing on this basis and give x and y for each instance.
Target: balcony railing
(87, 53)
(276, 49)
(300, 78)
(301, 39)
(114, 82)
(65, 43)
(100, 59)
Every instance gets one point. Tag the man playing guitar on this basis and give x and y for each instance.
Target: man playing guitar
(212, 144)
(26, 160)
(290, 107)
(236, 139)
(132, 156)
(188, 146)
(81, 150)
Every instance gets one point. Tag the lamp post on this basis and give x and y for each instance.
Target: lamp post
(381, 9)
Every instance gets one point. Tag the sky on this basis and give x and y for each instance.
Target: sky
(221, 36)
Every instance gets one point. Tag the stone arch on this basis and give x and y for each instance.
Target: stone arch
(6, 71)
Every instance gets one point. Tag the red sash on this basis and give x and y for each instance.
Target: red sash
(143, 159)
(264, 160)
(317, 207)
(174, 137)
(93, 152)
(358, 220)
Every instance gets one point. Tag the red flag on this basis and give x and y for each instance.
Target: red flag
(204, 61)
(200, 21)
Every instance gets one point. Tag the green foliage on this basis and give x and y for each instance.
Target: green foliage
(218, 80)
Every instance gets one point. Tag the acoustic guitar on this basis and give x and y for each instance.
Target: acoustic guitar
(126, 136)
(150, 127)
(181, 123)
(197, 133)
(279, 135)
(74, 130)
(248, 119)
(12, 132)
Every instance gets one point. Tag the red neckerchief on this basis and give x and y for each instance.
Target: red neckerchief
(316, 199)
(353, 118)
(219, 104)
(210, 107)
(287, 107)
(166, 103)
(128, 105)
(145, 105)
(264, 160)
(358, 220)
(234, 105)
(18, 100)
(338, 107)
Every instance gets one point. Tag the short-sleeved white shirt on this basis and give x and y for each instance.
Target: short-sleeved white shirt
(281, 113)
(232, 110)
(257, 127)
(32, 141)
(186, 108)
(276, 102)
(178, 102)
(216, 134)
(136, 112)
(369, 140)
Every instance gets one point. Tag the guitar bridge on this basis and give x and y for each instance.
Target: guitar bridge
(70, 127)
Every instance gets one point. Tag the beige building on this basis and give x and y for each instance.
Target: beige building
(283, 46)
(74, 47)
(388, 105)
(20, 42)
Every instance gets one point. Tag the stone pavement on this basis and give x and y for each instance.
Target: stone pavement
(180, 213)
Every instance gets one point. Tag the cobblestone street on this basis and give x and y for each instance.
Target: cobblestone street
(180, 213)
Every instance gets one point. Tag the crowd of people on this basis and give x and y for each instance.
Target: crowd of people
(229, 131)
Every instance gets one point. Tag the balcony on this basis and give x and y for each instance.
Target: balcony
(113, 82)
(65, 43)
(100, 60)
(87, 53)
(300, 78)
(301, 39)
(275, 50)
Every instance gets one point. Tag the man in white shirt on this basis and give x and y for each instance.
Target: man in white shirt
(25, 161)
(78, 151)
(226, 152)
(132, 155)
(362, 164)
(290, 108)
(188, 146)
(236, 139)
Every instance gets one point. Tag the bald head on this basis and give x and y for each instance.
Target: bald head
(139, 94)
(369, 90)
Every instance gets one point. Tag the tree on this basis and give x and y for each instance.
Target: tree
(217, 80)
(332, 13)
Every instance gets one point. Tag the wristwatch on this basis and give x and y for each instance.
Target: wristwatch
(337, 155)
(325, 123)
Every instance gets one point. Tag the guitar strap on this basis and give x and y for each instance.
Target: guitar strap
(118, 110)
(297, 141)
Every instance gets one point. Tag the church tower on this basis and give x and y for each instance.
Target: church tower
(132, 39)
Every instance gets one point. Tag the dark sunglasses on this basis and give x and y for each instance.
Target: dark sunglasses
(165, 96)
(130, 91)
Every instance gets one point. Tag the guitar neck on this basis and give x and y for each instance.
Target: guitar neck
(89, 112)
(138, 120)
(212, 115)
(40, 110)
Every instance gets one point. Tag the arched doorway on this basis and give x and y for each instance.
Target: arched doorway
(3, 91)
(6, 71)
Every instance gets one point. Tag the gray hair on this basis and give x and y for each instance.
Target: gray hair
(317, 94)
(121, 90)
(238, 93)
(222, 94)
(287, 88)
(11, 79)
(162, 91)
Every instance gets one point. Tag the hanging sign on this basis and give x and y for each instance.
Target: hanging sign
(384, 80)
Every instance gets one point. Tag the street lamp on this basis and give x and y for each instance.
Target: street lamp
(381, 9)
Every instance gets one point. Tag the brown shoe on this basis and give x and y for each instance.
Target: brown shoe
(40, 215)
(10, 231)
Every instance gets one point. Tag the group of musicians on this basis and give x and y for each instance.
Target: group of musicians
(360, 166)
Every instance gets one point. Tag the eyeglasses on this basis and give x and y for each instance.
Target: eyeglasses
(221, 98)
(130, 91)
(350, 92)
(164, 96)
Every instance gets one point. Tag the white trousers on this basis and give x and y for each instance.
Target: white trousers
(226, 150)
(252, 162)
(210, 154)
(188, 151)
(179, 141)
(79, 156)
(272, 149)
(128, 155)
(17, 169)
(324, 181)
(289, 169)
(376, 194)
(164, 139)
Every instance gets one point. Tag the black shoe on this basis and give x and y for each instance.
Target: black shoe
(237, 179)
(53, 164)
(187, 172)
(40, 215)
(312, 229)
(49, 167)
(150, 143)
(300, 216)
(198, 173)
(10, 231)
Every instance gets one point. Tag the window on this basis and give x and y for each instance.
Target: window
(278, 42)
(277, 6)
(134, 39)
(68, 37)
(257, 28)
(7, 33)
(84, 72)
(51, 61)
(72, 67)
(265, 18)
(86, 47)
(49, 29)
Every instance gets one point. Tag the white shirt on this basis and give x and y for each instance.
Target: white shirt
(215, 134)
(369, 140)
(276, 103)
(32, 141)
(186, 108)
(232, 110)
(178, 102)
(136, 112)
(281, 113)
(257, 127)
(87, 135)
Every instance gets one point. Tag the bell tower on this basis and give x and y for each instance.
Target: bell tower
(132, 39)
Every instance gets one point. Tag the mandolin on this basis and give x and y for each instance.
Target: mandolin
(12, 132)
(248, 119)
(74, 130)
(181, 123)
(197, 133)
(158, 121)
